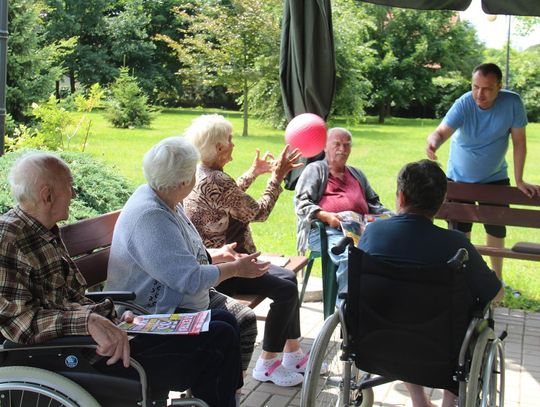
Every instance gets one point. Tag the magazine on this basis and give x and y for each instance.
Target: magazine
(169, 324)
(353, 224)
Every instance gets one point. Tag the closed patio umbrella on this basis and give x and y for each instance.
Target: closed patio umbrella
(307, 69)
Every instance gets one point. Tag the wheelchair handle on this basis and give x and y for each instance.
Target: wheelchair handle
(342, 244)
(461, 256)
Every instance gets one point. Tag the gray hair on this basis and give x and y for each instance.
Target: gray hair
(206, 131)
(169, 163)
(30, 172)
(340, 130)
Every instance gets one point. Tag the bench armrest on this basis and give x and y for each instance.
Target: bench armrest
(98, 296)
(66, 341)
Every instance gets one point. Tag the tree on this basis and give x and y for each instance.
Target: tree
(525, 75)
(128, 106)
(228, 44)
(33, 63)
(353, 58)
(91, 60)
(411, 48)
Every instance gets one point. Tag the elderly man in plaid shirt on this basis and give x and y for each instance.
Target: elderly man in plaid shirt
(42, 296)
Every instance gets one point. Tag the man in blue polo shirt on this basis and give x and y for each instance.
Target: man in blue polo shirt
(482, 120)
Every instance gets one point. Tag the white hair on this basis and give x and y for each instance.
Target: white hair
(338, 130)
(30, 172)
(169, 163)
(206, 131)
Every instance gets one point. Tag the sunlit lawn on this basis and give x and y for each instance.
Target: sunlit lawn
(379, 150)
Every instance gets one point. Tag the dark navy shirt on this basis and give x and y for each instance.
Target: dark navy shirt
(414, 239)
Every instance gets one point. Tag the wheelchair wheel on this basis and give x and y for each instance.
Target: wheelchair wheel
(331, 387)
(486, 377)
(32, 387)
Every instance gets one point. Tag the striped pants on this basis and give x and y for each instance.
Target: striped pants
(247, 322)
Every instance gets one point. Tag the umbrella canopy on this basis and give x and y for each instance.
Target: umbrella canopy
(513, 7)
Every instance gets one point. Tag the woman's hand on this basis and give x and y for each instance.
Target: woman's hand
(286, 162)
(249, 267)
(225, 254)
(262, 165)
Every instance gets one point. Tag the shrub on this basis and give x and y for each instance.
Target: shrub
(99, 187)
(128, 106)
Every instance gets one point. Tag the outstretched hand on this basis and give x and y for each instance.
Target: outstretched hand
(286, 162)
(262, 165)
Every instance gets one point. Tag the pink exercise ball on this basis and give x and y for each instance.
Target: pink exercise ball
(307, 132)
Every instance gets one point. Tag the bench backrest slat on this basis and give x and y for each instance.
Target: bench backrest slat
(496, 194)
(94, 267)
(492, 215)
(88, 242)
(88, 235)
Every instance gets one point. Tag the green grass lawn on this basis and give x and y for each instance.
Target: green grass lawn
(379, 150)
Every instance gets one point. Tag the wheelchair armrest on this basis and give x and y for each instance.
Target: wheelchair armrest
(66, 341)
(98, 296)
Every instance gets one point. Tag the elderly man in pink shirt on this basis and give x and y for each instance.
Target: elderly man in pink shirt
(326, 188)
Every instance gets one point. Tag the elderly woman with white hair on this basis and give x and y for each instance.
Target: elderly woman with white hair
(221, 210)
(157, 252)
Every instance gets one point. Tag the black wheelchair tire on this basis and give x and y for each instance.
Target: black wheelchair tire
(315, 384)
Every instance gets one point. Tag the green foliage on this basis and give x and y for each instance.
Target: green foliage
(55, 127)
(23, 136)
(524, 76)
(53, 121)
(411, 48)
(86, 22)
(128, 106)
(450, 87)
(33, 65)
(353, 58)
(228, 44)
(99, 187)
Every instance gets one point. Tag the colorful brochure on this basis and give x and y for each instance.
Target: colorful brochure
(169, 324)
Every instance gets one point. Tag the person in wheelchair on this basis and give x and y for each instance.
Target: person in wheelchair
(410, 237)
(42, 297)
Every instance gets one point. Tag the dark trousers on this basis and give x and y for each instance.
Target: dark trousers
(283, 319)
(208, 363)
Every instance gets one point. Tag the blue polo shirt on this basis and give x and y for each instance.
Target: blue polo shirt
(479, 145)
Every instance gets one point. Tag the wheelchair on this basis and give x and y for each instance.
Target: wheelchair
(409, 323)
(65, 372)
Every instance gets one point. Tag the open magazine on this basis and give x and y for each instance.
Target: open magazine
(169, 324)
(353, 224)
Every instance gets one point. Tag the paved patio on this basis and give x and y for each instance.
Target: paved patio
(522, 363)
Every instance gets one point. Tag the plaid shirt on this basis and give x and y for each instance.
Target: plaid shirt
(41, 289)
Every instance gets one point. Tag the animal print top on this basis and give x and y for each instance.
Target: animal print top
(221, 210)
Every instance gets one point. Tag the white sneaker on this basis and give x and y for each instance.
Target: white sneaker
(299, 366)
(277, 374)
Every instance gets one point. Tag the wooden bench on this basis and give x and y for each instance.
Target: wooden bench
(528, 217)
(88, 243)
